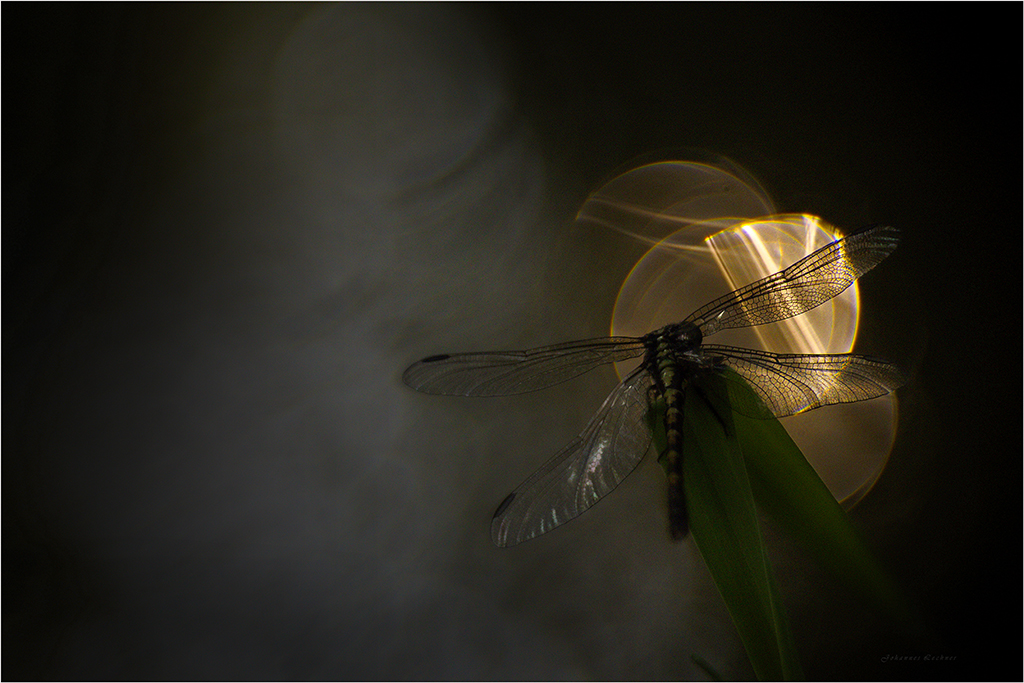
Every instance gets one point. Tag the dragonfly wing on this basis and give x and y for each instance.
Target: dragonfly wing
(793, 383)
(584, 471)
(806, 284)
(503, 373)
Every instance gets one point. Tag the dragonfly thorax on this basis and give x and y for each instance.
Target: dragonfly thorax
(675, 344)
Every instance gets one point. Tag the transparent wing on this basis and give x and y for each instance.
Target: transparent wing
(584, 471)
(806, 284)
(794, 383)
(503, 373)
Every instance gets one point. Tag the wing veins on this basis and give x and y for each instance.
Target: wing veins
(584, 471)
(802, 286)
(504, 373)
(819, 379)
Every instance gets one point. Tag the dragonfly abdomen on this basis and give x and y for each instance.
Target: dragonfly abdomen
(671, 381)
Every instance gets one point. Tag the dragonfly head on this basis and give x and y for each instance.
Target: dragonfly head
(686, 335)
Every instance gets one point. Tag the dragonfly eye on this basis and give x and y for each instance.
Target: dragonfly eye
(689, 335)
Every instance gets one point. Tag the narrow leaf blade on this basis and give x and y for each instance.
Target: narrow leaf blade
(724, 525)
(789, 491)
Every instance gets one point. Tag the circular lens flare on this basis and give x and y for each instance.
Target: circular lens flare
(652, 201)
(698, 256)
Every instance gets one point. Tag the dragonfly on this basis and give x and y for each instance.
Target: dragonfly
(619, 435)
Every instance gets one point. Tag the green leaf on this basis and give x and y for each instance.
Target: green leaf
(731, 461)
(789, 491)
(723, 521)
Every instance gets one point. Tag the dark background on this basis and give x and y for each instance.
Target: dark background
(227, 228)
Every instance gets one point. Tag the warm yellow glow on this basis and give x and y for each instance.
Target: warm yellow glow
(756, 249)
(654, 200)
(848, 445)
(709, 230)
(692, 266)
